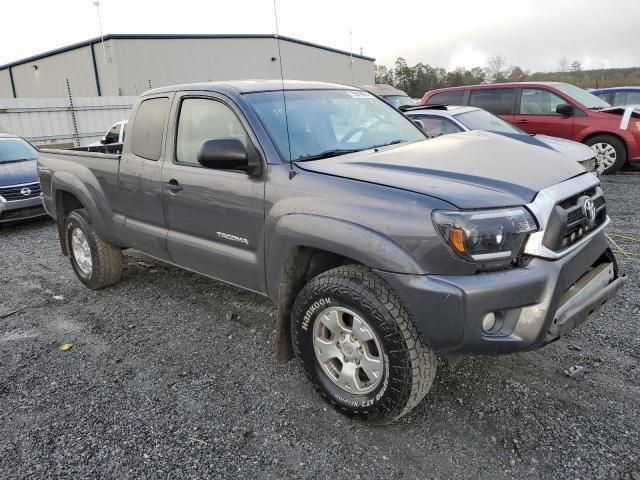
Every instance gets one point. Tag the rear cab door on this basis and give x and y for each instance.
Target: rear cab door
(536, 112)
(215, 218)
(139, 179)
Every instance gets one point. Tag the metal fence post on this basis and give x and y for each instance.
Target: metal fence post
(74, 120)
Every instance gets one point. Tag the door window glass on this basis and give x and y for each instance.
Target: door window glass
(534, 101)
(447, 98)
(112, 134)
(626, 98)
(202, 119)
(148, 128)
(436, 126)
(496, 100)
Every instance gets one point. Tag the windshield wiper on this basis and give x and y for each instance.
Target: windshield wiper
(393, 142)
(328, 154)
(16, 160)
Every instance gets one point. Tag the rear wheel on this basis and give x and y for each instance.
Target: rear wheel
(96, 263)
(359, 345)
(610, 152)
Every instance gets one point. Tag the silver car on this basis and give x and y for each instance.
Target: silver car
(445, 119)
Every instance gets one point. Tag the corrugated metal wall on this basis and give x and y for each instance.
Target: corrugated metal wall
(53, 120)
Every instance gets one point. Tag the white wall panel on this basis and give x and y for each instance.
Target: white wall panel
(50, 120)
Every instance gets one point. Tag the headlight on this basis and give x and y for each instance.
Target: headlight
(492, 237)
(590, 164)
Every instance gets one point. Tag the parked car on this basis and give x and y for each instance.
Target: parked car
(619, 96)
(390, 94)
(442, 120)
(379, 247)
(19, 185)
(557, 109)
(111, 142)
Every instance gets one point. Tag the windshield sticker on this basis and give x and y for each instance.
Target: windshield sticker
(359, 94)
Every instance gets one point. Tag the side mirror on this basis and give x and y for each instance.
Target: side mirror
(103, 141)
(419, 123)
(564, 109)
(227, 154)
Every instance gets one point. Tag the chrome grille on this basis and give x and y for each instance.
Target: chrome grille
(20, 192)
(569, 223)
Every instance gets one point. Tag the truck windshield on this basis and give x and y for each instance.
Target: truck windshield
(16, 150)
(483, 120)
(581, 96)
(324, 123)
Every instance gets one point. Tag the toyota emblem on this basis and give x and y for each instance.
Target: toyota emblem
(589, 211)
(25, 191)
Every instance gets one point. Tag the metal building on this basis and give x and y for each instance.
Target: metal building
(132, 64)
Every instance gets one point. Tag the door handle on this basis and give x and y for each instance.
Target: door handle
(522, 121)
(172, 185)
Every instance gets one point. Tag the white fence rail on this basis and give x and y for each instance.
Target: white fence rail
(78, 120)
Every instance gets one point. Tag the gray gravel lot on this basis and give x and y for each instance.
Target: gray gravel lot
(160, 383)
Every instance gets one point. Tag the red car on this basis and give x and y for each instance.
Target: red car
(558, 109)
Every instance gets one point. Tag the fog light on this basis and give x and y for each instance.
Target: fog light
(488, 321)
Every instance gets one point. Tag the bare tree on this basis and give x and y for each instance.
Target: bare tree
(576, 66)
(563, 64)
(497, 68)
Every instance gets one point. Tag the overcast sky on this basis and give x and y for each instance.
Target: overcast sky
(533, 34)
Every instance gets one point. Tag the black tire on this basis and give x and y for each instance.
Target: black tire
(618, 146)
(409, 365)
(106, 258)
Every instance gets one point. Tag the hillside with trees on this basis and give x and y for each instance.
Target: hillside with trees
(420, 78)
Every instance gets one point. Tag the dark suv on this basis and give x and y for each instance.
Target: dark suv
(557, 109)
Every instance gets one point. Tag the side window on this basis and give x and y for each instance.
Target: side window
(447, 98)
(436, 126)
(148, 128)
(203, 119)
(497, 100)
(534, 101)
(626, 98)
(112, 134)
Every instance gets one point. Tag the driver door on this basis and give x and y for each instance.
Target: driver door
(215, 218)
(536, 113)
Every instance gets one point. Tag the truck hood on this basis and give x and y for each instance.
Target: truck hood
(469, 170)
(574, 150)
(17, 173)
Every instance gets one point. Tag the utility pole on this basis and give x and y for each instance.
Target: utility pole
(104, 49)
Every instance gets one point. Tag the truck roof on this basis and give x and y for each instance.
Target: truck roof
(252, 86)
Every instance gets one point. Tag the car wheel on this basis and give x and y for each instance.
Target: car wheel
(96, 263)
(610, 152)
(359, 345)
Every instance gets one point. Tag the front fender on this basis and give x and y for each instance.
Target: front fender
(341, 237)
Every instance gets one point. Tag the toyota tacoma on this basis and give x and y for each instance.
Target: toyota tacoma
(381, 250)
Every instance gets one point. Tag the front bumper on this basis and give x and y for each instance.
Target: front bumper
(21, 210)
(534, 304)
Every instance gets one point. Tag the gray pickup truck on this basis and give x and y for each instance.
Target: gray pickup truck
(380, 249)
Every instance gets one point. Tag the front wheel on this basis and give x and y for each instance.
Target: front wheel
(610, 152)
(97, 263)
(359, 345)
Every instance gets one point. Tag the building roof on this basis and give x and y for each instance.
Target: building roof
(112, 36)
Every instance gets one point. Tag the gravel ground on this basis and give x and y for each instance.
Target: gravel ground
(161, 383)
